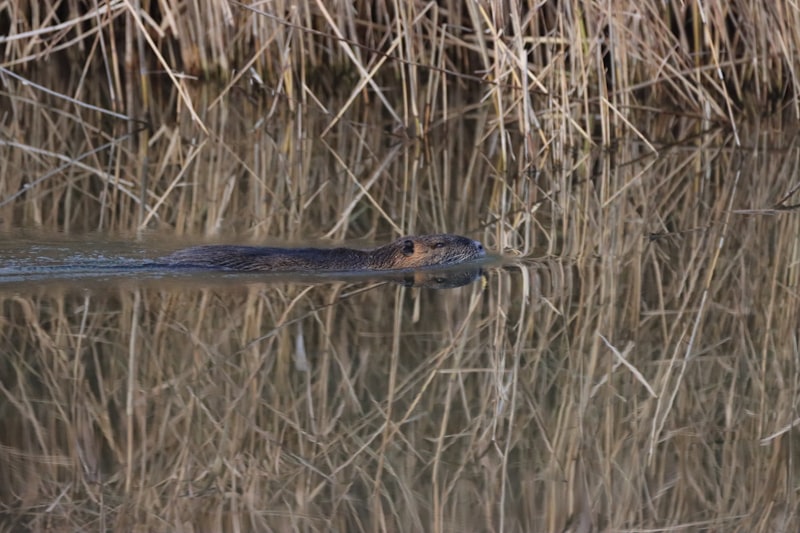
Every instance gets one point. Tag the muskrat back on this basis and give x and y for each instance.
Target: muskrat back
(410, 252)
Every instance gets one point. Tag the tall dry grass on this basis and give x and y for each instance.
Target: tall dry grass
(579, 67)
(641, 374)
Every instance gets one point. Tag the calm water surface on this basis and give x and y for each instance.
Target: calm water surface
(637, 370)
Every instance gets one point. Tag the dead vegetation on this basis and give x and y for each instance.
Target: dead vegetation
(642, 375)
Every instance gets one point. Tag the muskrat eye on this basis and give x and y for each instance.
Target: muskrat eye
(438, 244)
(408, 247)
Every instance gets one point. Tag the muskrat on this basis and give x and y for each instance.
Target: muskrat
(410, 252)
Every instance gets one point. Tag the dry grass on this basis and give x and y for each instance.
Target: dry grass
(641, 375)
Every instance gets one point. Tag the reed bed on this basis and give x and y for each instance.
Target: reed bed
(636, 369)
(578, 67)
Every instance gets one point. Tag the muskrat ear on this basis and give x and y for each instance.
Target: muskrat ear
(408, 247)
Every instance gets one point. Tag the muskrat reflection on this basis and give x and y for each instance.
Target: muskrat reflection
(444, 279)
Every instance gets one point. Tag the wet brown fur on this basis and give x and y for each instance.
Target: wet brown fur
(405, 253)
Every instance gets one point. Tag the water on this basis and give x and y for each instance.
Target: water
(636, 367)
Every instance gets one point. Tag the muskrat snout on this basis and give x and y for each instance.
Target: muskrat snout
(480, 248)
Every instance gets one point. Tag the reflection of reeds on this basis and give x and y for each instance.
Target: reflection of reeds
(643, 377)
(275, 405)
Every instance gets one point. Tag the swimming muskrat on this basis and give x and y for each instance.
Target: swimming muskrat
(410, 252)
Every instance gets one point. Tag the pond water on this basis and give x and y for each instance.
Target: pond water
(633, 363)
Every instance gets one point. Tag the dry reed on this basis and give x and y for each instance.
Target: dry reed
(643, 375)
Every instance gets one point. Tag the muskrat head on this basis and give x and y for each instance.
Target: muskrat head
(432, 250)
